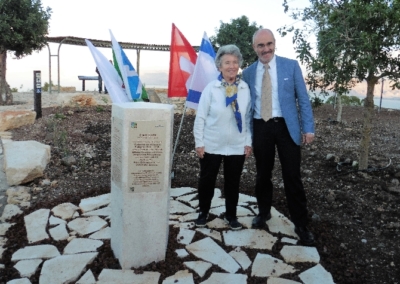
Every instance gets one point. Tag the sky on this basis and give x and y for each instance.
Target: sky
(148, 22)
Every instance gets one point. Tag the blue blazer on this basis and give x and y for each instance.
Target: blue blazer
(292, 93)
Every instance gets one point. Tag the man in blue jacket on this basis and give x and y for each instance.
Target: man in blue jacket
(282, 118)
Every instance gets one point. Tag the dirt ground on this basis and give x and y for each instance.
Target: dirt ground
(354, 214)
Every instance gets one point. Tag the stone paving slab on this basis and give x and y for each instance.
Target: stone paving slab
(65, 210)
(241, 258)
(35, 224)
(208, 250)
(267, 266)
(34, 252)
(275, 280)
(87, 225)
(20, 281)
(223, 278)
(103, 234)
(59, 232)
(211, 233)
(92, 203)
(185, 236)
(316, 275)
(65, 268)
(27, 268)
(200, 267)
(9, 211)
(4, 228)
(87, 278)
(255, 239)
(181, 277)
(79, 245)
(293, 254)
(108, 276)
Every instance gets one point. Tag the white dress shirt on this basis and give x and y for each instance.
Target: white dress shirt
(276, 108)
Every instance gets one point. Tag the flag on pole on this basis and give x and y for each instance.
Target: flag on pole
(132, 83)
(204, 72)
(181, 66)
(109, 75)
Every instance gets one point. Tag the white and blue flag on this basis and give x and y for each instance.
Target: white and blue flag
(132, 83)
(109, 75)
(204, 72)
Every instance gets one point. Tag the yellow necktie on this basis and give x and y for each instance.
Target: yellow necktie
(266, 95)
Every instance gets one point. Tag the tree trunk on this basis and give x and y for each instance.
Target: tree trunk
(4, 87)
(367, 124)
(339, 108)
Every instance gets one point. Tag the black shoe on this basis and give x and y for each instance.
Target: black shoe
(233, 223)
(201, 221)
(259, 221)
(306, 237)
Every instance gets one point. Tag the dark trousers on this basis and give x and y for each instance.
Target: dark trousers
(100, 84)
(267, 136)
(209, 168)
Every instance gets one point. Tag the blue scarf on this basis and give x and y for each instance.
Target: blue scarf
(231, 98)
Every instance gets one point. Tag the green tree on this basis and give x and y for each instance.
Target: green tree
(356, 41)
(24, 25)
(239, 32)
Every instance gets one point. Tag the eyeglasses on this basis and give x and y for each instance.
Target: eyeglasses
(263, 45)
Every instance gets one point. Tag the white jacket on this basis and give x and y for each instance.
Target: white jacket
(215, 125)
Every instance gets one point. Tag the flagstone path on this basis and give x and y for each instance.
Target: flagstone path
(86, 233)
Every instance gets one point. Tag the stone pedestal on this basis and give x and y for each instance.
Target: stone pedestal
(141, 148)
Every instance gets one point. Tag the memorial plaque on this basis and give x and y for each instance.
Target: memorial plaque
(116, 151)
(146, 156)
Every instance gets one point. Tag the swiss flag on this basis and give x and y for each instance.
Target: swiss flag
(182, 60)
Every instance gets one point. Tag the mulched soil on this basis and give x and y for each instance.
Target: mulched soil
(354, 214)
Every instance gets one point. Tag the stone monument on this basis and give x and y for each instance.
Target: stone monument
(141, 147)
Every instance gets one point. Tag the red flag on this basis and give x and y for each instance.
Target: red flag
(182, 60)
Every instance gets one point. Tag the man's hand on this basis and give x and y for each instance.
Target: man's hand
(200, 152)
(247, 151)
(308, 138)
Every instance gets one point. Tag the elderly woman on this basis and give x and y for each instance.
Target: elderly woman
(222, 132)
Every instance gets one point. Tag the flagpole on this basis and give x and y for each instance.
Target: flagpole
(176, 140)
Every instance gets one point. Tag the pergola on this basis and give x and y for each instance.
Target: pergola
(101, 43)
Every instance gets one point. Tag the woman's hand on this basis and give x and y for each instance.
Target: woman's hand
(200, 152)
(247, 151)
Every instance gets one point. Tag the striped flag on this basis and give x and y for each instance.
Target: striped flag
(181, 66)
(109, 75)
(132, 83)
(204, 72)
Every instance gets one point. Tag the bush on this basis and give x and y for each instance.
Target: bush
(346, 100)
(316, 101)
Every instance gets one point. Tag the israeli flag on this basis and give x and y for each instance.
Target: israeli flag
(204, 72)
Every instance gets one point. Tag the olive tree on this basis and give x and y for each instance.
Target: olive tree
(239, 32)
(24, 25)
(354, 41)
